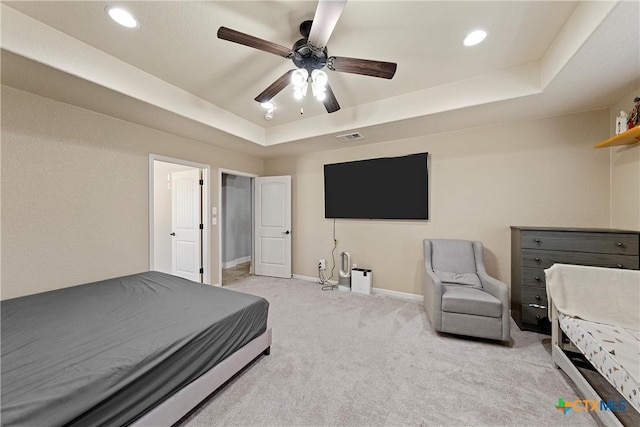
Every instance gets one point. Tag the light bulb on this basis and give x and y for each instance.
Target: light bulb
(321, 96)
(319, 77)
(299, 77)
(267, 105)
(317, 89)
(297, 92)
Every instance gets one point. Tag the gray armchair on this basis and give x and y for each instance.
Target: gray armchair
(459, 296)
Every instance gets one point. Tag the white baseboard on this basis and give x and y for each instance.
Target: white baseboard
(311, 279)
(397, 294)
(386, 292)
(236, 261)
(305, 278)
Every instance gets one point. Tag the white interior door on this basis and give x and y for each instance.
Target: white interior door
(273, 226)
(185, 221)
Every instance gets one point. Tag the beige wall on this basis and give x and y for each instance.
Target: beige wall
(625, 174)
(539, 172)
(75, 192)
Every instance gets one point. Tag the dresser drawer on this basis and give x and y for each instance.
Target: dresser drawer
(533, 297)
(533, 277)
(535, 316)
(534, 258)
(606, 243)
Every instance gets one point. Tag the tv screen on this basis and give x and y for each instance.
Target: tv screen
(385, 188)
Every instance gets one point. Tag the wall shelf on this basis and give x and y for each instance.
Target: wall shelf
(628, 137)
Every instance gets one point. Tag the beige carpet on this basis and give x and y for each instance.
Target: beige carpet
(345, 359)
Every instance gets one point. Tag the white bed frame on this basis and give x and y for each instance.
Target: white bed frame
(180, 404)
(560, 360)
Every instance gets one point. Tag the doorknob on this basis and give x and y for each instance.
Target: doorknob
(172, 234)
(286, 232)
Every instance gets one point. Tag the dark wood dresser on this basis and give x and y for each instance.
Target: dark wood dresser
(535, 248)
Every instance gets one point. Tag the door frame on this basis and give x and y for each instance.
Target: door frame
(237, 173)
(206, 212)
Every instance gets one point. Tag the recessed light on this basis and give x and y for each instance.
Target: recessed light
(474, 37)
(122, 17)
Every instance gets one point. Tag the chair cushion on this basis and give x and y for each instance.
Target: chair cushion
(468, 279)
(453, 255)
(469, 300)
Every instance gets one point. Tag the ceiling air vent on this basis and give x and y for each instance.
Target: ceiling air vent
(349, 137)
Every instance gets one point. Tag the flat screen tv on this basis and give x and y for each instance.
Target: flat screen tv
(384, 188)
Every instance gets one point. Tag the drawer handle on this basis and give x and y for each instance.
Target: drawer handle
(537, 278)
(537, 259)
(538, 316)
(542, 307)
(619, 265)
(537, 240)
(538, 297)
(619, 244)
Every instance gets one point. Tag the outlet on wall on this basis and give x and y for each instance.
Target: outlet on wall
(322, 264)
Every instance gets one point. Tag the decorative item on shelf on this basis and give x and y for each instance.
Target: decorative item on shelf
(627, 134)
(621, 123)
(634, 115)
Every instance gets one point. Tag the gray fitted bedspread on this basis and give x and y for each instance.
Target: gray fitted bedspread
(105, 353)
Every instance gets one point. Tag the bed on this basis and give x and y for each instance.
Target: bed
(596, 311)
(143, 349)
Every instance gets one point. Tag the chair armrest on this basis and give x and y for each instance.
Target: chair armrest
(495, 287)
(499, 290)
(432, 281)
(490, 284)
(433, 298)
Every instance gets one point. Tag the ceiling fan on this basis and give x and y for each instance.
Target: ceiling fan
(309, 54)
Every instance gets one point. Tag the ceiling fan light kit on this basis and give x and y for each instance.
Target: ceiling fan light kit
(309, 54)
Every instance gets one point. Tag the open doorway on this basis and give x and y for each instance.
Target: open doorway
(236, 226)
(269, 228)
(178, 218)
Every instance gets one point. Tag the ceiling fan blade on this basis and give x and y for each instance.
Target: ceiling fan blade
(324, 21)
(330, 102)
(275, 87)
(385, 70)
(225, 33)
